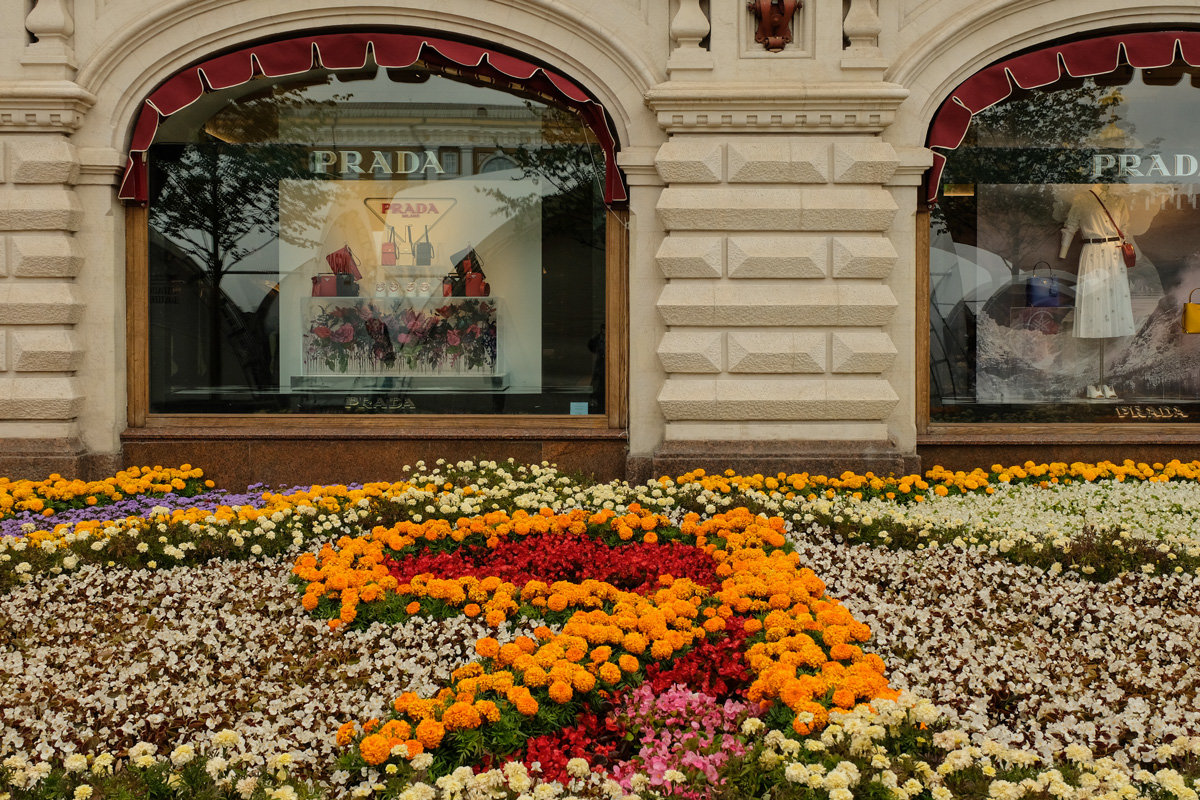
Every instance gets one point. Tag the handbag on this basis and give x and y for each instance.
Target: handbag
(324, 285)
(1043, 291)
(343, 262)
(387, 253)
(1127, 253)
(1191, 314)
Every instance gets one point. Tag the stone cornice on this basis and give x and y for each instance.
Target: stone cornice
(838, 107)
(43, 106)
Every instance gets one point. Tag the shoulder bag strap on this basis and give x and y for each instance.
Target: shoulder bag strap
(1110, 216)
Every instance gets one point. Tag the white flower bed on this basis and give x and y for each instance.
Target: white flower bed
(108, 657)
(1028, 658)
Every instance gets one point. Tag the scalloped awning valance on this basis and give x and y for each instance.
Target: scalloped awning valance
(1090, 57)
(352, 51)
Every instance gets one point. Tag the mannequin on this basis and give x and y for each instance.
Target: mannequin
(1103, 308)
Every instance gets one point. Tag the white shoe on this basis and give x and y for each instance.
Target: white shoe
(1093, 393)
(1108, 392)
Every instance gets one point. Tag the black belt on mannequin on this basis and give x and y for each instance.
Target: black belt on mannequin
(1101, 241)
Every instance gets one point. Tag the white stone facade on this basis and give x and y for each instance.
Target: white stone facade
(772, 234)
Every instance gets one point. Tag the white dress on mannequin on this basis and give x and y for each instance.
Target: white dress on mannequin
(1102, 304)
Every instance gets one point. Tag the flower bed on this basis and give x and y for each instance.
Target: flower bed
(502, 630)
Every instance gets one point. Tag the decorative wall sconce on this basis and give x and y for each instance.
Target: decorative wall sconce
(774, 22)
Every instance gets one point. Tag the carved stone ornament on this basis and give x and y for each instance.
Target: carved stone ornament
(774, 22)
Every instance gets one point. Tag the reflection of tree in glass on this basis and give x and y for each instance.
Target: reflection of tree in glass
(1031, 141)
(218, 200)
(571, 167)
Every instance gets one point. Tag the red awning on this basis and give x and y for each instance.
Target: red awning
(1099, 56)
(352, 51)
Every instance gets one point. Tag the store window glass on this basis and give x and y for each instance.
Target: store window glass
(376, 241)
(1034, 314)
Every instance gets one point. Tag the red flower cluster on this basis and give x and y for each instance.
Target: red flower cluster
(717, 668)
(599, 740)
(633, 567)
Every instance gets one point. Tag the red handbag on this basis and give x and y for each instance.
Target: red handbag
(324, 285)
(387, 253)
(475, 286)
(343, 262)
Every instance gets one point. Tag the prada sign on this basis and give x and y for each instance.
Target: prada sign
(1151, 165)
(374, 162)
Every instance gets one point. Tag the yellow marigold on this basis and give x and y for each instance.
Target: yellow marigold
(536, 676)
(429, 733)
(560, 692)
(345, 733)
(628, 663)
(375, 749)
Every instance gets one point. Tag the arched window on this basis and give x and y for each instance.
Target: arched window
(1046, 164)
(319, 238)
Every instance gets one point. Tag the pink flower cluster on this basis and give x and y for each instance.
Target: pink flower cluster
(682, 730)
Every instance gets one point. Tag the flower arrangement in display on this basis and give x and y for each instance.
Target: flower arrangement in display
(373, 337)
(500, 630)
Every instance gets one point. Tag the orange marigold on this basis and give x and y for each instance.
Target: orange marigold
(430, 732)
(487, 647)
(561, 692)
(375, 749)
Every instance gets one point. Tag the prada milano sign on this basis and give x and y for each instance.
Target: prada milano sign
(1144, 165)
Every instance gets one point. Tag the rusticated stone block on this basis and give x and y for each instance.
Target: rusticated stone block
(46, 256)
(3, 351)
(775, 208)
(50, 398)
(778, 256)
(778, 161)
(861, 399)
(688, 398)
(760, 352)
(693, 161)
(796, 399)
(3, 256)
(841, 209)
(864, 162)
(733, 209)
(690, 351)
(776, 352)
(868, 305)
(39, 209)
(682, 256)
(44, 159)
(36, 350)
(863, 257)
(758, 304)
(39, 304)
(688, 303)
(862, 351)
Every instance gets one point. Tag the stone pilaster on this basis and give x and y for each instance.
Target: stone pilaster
(777, 300)
(41, 396)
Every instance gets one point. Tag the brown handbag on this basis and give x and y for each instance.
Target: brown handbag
(1127, 253)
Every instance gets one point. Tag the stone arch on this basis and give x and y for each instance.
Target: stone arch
(127, 67)
(931, 66)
